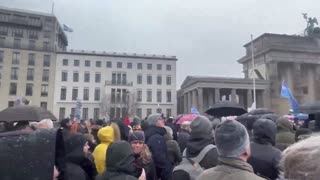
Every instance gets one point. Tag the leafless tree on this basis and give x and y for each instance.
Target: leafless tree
(105, 105)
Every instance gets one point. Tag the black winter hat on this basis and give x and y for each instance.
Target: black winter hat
(264, 131)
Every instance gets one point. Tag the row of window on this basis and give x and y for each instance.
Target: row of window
(159, 96)
(64, 77)
(75, 93)
(31, 45)
(42, 104)
(87, 63)
(114, 112)
(16, 58)
(29, 89)
(149, 80)
(14, 75)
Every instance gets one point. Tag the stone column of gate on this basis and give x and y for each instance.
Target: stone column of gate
(185, 102)
(200, 100)
(216, 95)
(194, 99)
(249, 98)
(211, 101)
(189, 102)
(233, 95)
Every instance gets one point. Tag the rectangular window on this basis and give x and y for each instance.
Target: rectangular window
(124, 96)
(44, 90)
(169, 113)
(76, 62)
(74, 94)
(119, 64)
(98, 63)
(30, 74)
(97, 94)
(87, 77)
(149, 66)
(119, 78)
(87, 63)
(43, 105)
(64, 76)
(124, 79)
(29, 89)
(129, 65)
(45, 75)
(169, 96)
(14, 73)
(159, 110)
(63, 93)
(159, 66)
(17, 43)
(13, 89)
(31, 59)
(73, 112)
(1, 56)
(113, 95)
(149, 79)
(168, 80)
(114, 78)
(2, 40)
(139, 112)
(10, 103)
(65, 62)
(149, 95)
(46, 46)
(85, 113)
(159, 95)
(98, 77)
(159, 80)
(86, 94)
(168, 67)
(109, 64)
(46, 61)
(139, 66)
(16, 58)
(139, 95)
(75, 76)
(149, 111)
(32, 44)
(96, 113)
(118, 95)
(139, 79)
(62, 113)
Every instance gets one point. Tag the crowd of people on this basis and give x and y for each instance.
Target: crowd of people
(249, 147)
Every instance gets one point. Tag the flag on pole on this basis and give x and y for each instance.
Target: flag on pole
(194, 110)
(286, 93)
(66, 28)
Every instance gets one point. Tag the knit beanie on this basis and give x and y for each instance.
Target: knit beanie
(136, 136)
(153, 118)
(231, 139)
(201, 125)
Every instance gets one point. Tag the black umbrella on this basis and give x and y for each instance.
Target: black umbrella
(226, 108)
(25, 113)
(272, 117)
(310, 108)
(261, 111)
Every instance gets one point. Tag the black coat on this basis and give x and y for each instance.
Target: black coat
(264, 157)
(183, 138)
(158, 147)
(149, 168)
(174, 130)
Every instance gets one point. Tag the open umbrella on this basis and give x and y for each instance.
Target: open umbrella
(310, 108)
(187, 117)
(260, 111)
(226, 108)
(25, 113)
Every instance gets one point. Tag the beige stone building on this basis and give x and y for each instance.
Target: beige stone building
(28, 42)
(295, 59)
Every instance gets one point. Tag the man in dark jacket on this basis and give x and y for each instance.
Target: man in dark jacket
(201, 135)
(119, 163)
(170, 124)
(264, 157)
(158, 147)
(78, 166)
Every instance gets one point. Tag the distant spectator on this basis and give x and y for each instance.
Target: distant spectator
(302, 133)
(174, 152)
(170, 124)
(45, 124)
(183, 135)
(285, 136)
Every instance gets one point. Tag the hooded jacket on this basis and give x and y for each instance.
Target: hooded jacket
(264, 157)
(106, 137)
(78, 167)
(284, 137)
(183, 138)
(120, 163)
(158, 147)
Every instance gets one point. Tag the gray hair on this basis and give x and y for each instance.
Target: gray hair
(45, 123)
(301, 160)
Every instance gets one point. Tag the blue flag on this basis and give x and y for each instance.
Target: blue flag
(194, 110)
(286, 93)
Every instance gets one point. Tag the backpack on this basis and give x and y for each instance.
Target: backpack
(191, 165)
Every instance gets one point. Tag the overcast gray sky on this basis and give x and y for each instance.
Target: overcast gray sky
(206, 35)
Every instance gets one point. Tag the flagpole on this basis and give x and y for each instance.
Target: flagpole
(253, 77)
(52, 8)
